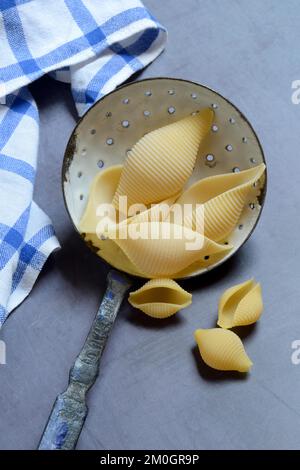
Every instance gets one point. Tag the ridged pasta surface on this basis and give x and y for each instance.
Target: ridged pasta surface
(240, 305)
(156, 213)
(111, 253)
(222, 199)
(165, 248)
(160, 163)
(222, 350)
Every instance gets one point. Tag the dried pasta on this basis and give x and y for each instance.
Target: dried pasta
(111, 253)
(160, 298)
(155, 255)
(201, 264)
(156, 213)
(240, 305)
(221, 199)
(160, 163)
(222, 350)
(154, 245)
(102, 191)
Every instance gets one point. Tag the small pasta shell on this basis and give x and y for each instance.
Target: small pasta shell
(222, 350)
(161, 249)
(160, 298)
(221, 200)
(160, 163)
(240, 305)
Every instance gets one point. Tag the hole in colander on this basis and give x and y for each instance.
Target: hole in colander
(83, 151)
(93, 131)
(171, 110)
(206, 257)
(125, 101)
(171, 92)
(79, 174)
(236, 169)
(146, 113)
(232, 120)
(214, 105)
(193, 96)
(252, 160)
(81, 197)
(245, 140)
(194, 113)
(226, 243)
(125, 123)
(241, 226)
(229, 148)
(210, 157)
(127, 151)
(100, 163)
(108, 114)
(252, 205)
(214, 128)
(148, 93)
(109, 141)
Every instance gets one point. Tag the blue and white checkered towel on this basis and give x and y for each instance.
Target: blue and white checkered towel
(94, 44)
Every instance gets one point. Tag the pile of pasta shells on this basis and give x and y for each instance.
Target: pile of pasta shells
(153, 179)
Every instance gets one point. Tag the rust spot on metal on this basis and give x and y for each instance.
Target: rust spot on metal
(92, 247)
(69, 155)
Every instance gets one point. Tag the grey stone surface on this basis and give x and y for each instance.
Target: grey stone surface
(153, 390)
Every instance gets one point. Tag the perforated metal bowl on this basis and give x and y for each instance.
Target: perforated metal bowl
(113, 125)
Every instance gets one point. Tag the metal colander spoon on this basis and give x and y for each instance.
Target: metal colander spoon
(101, 139)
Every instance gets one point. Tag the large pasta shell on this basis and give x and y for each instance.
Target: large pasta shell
(222, 350)
(221, 200)
(163, 249)
(202, 264)
(111, 253)
(102, 190)
(160, 163)
(160, 298)
(156, 213)
(240, 305)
